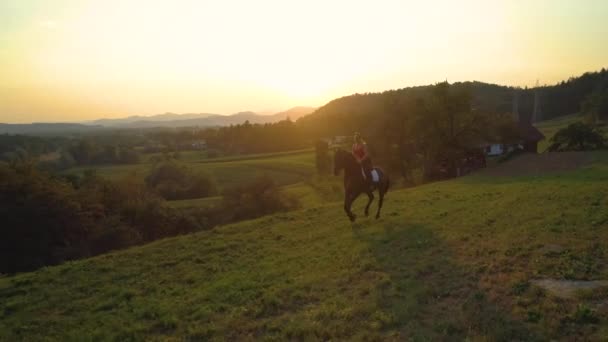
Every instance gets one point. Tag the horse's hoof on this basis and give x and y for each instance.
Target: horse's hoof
(366, 214)
(377, 217)
(353, 218)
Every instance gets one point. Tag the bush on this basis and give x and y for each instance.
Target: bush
(88, 152)
(257, 198)
(174, 181)
(48, 220)
(577, 137)
(213, 154)
(44, 221)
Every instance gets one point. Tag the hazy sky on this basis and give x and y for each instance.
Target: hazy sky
(68, 60)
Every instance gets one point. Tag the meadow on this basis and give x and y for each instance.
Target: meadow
(457, 259)
(284, 167)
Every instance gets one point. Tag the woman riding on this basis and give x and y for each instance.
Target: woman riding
(361, 154)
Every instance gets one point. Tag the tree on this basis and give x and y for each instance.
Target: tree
(577, 137)
(448, 127)
(258, 197)
(595, 106)
(44, 222)
(174, 181)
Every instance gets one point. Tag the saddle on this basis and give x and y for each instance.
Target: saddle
(375, 175)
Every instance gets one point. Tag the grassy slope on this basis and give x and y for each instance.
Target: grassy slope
(450, 259)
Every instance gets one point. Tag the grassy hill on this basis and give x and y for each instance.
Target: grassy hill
(449, 260)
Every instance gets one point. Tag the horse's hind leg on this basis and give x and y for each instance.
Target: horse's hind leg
(380, 200)
(370, 196)
(348, 201)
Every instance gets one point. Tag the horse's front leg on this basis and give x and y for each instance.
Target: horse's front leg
(348, 201)
(380, 201)
(370, 196)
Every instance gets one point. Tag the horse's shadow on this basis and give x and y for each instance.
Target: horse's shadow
(363, 221)
(422, 279)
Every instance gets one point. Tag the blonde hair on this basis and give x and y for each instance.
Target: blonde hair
(359, 138)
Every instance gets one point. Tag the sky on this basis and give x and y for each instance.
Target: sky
(77, 60)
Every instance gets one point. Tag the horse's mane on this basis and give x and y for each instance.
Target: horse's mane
(343, 152)
(346, 156)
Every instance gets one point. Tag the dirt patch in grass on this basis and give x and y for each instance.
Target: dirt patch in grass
(569, 288)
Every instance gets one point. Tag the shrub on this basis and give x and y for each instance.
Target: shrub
(257, 198)
(43, 220)
(577, 137)
(213, 154)
(48, 220)
(174, 181)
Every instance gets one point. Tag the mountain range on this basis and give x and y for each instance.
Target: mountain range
(201, 119)
(167, 120)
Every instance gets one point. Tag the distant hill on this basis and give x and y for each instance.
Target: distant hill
(294, 113)
(202, 120)
(370, 112)
(157, 118)
(47, 128)
(167, 120)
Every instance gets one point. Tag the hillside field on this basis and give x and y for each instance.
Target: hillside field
(284, 168)
(450, 260)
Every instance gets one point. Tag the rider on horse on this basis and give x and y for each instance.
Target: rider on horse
(362, 156)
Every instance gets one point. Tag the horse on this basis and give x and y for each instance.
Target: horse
(355, 184)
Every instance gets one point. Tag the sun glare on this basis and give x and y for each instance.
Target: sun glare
(142, 57)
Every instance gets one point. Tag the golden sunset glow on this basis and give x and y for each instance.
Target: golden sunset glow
(77, 60)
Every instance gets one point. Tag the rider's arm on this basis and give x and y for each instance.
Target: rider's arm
(365, 152)
(354, 153)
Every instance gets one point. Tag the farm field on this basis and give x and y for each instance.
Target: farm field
(309, 194)
(284, 168)
(459, 259)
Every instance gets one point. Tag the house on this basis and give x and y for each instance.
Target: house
(492, 150)
(199, 144)
(530, 136)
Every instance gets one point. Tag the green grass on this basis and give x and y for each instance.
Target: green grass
(448, 261)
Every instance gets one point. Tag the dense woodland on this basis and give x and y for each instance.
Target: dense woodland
(51, 217)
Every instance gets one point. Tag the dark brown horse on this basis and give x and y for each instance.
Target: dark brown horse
(355, 185)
